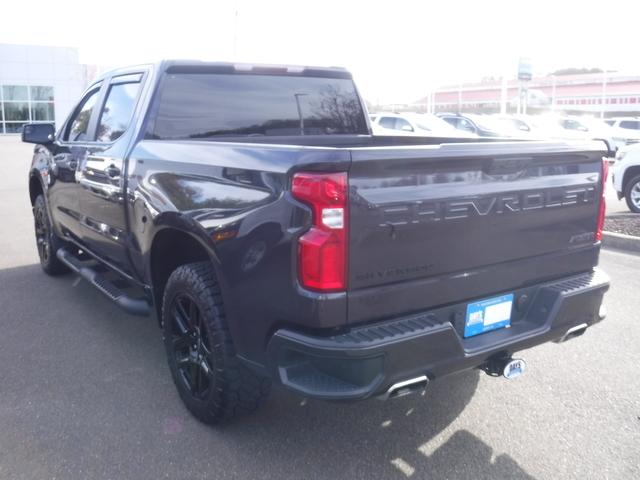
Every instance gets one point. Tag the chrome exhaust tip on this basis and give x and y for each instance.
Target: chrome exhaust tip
(602, 311)
(574, 332)
(407, 387)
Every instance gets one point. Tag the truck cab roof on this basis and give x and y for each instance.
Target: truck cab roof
(198, 66)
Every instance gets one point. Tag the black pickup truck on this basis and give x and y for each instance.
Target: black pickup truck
(252, 212)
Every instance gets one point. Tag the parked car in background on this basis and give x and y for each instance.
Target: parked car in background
(481, 125)
(558, 127)
(625, 175)
(410, 123)
(589, 128)
(519, 123)
(625, 130)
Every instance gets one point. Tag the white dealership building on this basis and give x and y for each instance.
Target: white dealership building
(39, 84)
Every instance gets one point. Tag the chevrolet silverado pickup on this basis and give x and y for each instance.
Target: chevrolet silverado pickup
(250, 211)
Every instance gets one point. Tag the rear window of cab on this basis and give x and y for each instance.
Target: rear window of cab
(209, 105)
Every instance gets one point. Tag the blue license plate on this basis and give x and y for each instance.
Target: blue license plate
(487, 315)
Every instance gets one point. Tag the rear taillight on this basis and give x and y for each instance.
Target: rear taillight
(603, 204)
(322, 251)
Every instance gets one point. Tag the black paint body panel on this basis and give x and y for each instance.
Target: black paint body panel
(433, 225)
(431, 222)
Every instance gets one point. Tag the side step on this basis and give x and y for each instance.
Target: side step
(134, 306)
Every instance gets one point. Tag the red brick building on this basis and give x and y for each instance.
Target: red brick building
(613, 93)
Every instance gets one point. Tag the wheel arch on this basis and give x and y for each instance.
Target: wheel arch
(36, 187)
(172, 247)
(629, 173)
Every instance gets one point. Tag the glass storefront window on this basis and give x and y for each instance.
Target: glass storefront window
(20, 104)
(13, 127)
(42, 112)
(16, 111)
(41, 94)
(15, 92)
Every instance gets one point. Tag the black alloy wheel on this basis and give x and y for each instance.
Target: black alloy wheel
(42, 234)
(191, 351)
(47, 241)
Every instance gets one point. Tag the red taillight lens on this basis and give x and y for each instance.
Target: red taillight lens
(603, 204)
(322, 251)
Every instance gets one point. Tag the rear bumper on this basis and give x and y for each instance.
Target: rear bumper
(367, 360)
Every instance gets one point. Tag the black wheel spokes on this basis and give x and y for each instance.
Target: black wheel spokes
(181, 320)
(190, 346)
(42, 235)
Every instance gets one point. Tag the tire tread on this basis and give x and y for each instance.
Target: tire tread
(238, 389)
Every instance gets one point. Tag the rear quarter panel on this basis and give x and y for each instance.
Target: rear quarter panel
(234, 199)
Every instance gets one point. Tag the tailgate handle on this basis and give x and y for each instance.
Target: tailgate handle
(503, 166)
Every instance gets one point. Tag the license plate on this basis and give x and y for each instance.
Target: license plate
(487, 315)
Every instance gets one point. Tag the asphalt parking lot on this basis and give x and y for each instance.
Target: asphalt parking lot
(85, 393)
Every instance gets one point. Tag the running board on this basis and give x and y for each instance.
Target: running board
(134, 306)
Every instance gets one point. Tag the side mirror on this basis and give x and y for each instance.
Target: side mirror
(406, 128)
(42, 133)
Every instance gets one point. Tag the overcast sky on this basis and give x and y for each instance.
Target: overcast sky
(398, 50)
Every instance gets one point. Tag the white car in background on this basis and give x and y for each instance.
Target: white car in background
(549, 126)
(518, 123)
(592, 128)
(480, 124)
(625, 175)
(414, 124)
(625, 130)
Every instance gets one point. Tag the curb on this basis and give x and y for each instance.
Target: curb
(620, 241)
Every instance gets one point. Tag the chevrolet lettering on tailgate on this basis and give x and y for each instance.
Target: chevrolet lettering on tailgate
(512, 202)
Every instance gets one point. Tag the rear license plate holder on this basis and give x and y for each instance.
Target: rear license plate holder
(488, 314)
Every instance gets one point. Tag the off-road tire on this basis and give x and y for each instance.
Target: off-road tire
(47, 241)
(233, 388)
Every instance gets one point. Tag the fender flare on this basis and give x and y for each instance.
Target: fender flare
(184, 224)
(34, 173)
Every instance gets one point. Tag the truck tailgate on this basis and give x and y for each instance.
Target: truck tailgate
(440, 224)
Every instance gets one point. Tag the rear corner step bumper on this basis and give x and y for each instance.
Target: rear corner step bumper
(367, 360)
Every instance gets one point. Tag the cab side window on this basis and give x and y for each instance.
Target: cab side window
(570, 124)
(466, 125)
(387, 122)
(451, 121)
(402, 124)
(78, 126)
(118, 110)
(630, 124)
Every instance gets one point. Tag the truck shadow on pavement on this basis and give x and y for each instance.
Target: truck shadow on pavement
(405, 437)
(85, 393)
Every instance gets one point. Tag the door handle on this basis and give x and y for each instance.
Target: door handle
(113, 171)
